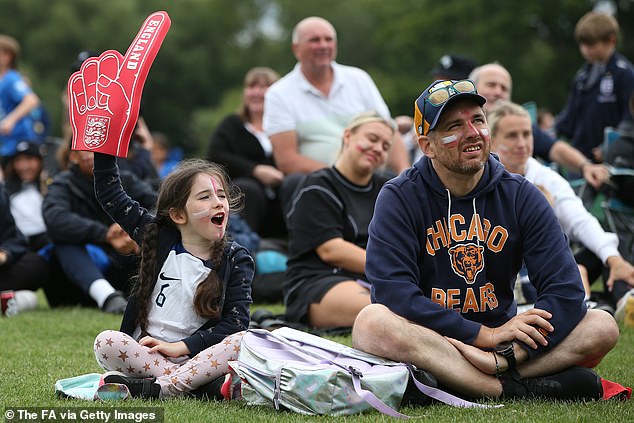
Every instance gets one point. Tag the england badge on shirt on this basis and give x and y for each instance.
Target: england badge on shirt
(606, 90)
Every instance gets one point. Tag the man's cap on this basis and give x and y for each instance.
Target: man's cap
(427, 114)
(453, 67)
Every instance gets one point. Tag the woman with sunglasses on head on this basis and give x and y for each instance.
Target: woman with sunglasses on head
(328, 228)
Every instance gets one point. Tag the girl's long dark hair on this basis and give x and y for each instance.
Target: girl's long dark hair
(173, 194)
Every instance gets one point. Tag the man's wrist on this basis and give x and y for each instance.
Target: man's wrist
(506, 350)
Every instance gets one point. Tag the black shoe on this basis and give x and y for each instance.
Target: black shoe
(115, 303)
(575, 383)
(412, 395)
(211, 390)
(138, 387)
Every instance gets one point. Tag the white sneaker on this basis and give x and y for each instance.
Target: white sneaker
(619, 314)
(25, 300)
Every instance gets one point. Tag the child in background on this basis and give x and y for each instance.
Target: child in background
(190, 304)
(601, 89)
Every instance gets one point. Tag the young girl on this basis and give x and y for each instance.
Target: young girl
(190, 304)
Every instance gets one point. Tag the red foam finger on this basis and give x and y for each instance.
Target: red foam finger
(104, 116)
(90, 76)
(77, 94)
(143, 50)
(109, 66)
(76, 103)
(137, 62)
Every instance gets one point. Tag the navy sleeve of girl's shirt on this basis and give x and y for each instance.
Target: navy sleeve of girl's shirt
(124, 210)
(235, 312)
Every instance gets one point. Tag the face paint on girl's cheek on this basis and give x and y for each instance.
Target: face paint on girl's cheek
(203, 214)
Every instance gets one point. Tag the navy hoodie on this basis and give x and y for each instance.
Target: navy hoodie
(449, 263)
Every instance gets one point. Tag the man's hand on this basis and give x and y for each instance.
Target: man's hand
(530, 327)
(121, 241)
(125, 245)
(105, 94)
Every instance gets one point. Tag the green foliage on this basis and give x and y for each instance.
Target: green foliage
(205, 120)
(212, 43)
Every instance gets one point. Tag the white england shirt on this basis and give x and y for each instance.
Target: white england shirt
(172, 316)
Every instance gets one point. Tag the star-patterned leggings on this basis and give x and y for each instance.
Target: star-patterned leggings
(118, 351)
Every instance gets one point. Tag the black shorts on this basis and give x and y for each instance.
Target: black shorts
(307, 292)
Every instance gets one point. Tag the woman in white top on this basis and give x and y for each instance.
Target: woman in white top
(512, 140)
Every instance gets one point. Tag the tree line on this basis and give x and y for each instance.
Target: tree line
(197, 76)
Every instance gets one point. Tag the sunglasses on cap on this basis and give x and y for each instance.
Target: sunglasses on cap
(440, 93)
(431, 103)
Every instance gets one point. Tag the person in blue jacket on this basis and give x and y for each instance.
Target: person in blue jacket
(446, 242)
(190, 304)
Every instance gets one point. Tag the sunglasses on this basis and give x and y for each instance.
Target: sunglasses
(447, 89)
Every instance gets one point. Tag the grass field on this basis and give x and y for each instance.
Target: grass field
(40, 347)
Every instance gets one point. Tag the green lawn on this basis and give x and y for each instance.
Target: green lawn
(43, 346)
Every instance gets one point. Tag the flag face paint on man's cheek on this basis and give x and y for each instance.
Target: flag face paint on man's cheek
(450, 141)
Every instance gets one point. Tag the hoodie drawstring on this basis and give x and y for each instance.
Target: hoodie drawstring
(473, 203)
